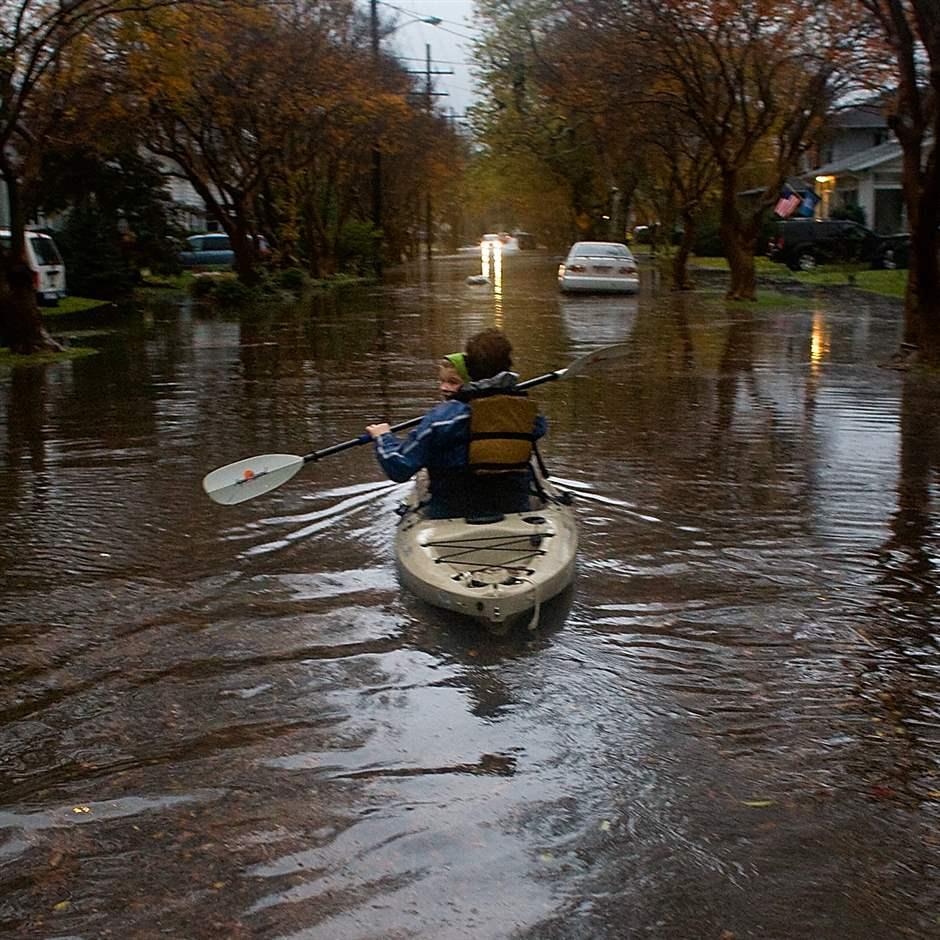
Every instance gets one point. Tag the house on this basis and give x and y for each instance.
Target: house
(859, 164)
(190, 208)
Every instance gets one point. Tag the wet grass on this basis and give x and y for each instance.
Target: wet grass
(885, 283)
(70, 305)
(9, 360)
(166, 282)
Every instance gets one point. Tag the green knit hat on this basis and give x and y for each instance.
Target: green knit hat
(460, 366)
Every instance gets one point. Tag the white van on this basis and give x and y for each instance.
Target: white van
(46, 262)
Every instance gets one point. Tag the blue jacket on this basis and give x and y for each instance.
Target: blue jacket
(440, 444)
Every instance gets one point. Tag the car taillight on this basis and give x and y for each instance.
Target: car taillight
(35, 280)
(576, 268)
(627, 270)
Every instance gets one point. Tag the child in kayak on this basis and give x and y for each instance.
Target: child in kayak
(476, 446)
(452, 375)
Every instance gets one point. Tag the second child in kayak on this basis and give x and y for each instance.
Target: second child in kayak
(477, 446)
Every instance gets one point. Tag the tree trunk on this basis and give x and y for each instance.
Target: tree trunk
(21, 327)
(680, 263)
(737, 243)
(922, 298)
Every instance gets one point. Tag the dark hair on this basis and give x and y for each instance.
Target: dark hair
(487, 354)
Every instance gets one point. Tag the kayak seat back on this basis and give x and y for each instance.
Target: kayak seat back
(484, 518)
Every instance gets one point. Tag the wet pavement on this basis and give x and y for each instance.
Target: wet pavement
(229, 722)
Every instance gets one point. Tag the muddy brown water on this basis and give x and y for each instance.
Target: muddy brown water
(229, 722)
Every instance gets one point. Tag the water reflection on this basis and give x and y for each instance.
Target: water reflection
(738, 696)
(598, 320)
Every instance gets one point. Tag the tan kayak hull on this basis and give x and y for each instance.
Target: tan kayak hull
(492, 571)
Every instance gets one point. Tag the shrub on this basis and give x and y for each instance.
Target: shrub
(849, 213)
(202, 286)
(355, 247)
(292, 279)
(231, 292)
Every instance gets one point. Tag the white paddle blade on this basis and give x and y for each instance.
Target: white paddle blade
(246, 479)
(591, 359)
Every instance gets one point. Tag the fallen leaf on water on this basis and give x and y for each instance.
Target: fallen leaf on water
(605, 826)
(933, 795)
(81, 809)
(758, 804)
(62, 906)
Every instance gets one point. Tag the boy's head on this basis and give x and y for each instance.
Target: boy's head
(452, 373)
(487, 354)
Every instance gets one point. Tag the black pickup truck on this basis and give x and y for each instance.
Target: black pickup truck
(801, 244)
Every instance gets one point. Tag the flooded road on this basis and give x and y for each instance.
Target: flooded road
(229, 721)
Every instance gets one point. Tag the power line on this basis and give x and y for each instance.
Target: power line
(437, 25)
(415, 58)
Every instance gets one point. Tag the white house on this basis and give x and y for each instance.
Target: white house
(871, 180)
(189, 205)
(860, 165)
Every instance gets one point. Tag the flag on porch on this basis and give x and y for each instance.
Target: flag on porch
(787, 203)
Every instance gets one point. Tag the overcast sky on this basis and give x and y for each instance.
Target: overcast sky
(450, 48)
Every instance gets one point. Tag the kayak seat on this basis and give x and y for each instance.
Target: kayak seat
(484, 518)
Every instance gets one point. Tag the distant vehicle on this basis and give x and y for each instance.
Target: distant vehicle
(213, 249)
(801, 244)
(506, 242)
(46, 263)
(492, 243)
(599, 266)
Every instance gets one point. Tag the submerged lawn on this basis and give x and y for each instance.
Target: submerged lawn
(10, 360)
(886, 283)
(69, 305)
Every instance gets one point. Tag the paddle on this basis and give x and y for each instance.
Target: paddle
(246, 479)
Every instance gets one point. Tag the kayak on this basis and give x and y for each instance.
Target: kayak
(495, 569)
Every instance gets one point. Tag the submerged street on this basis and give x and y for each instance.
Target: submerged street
(230, 722)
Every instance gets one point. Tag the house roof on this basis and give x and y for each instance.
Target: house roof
(861, 161)
(862, 115)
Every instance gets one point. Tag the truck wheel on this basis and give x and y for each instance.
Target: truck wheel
(806, 261)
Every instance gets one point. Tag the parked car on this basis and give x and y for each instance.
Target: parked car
(801, 244)
(213, 249)
(599, 266)
(46, 263)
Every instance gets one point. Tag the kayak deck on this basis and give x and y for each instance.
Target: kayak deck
(493, 569)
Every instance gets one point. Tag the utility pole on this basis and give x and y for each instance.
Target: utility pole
(378, 239)
(428, 237)
(377, 207)
(429, 96)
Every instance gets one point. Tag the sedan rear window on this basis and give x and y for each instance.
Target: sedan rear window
(601, 251)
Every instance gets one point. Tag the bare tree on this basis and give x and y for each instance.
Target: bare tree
(755, 80)
(910, 34)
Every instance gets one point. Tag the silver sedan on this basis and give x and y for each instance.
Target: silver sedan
(599, 266)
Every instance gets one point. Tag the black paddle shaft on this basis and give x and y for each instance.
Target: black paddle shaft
(411, 422)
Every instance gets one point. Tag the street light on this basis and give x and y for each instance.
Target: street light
(376, 151)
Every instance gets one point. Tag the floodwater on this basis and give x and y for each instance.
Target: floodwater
(229, 721)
